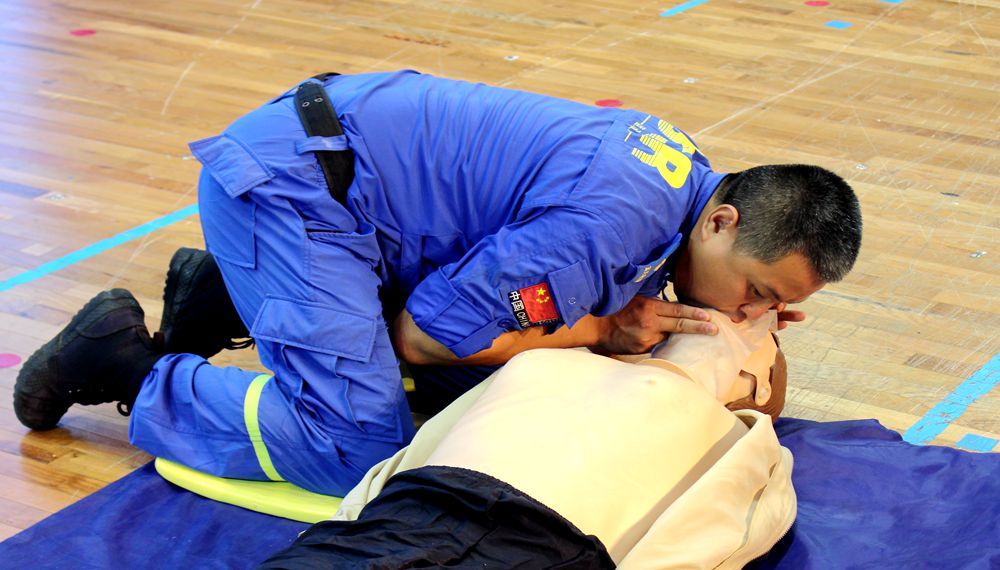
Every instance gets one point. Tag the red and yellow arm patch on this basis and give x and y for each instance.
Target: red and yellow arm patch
(534, 305)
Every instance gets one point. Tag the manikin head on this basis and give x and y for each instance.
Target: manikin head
(769, 236)
(742, 366)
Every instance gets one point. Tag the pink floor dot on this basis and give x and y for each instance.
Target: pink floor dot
(817, 3)
(83, 32)
(608, 103)
(8, 360)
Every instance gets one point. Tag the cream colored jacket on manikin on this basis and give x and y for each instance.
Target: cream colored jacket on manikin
(639, 455)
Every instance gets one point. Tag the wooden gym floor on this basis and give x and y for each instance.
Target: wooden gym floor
(98, 99)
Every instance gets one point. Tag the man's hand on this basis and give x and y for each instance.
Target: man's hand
(785, 316)
(645, 322)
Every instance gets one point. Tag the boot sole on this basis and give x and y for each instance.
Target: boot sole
(36, 404)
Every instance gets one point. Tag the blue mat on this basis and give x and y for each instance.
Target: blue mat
(866, 500)
(869, 500)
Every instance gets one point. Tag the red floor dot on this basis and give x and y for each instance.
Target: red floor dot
(8, 360)
(83, 32)
(608, 103)
(817, 3)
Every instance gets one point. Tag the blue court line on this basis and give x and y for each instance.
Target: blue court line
(838, 24)
(974, 442)
(680, 8)
(92, 250)
(954, 405)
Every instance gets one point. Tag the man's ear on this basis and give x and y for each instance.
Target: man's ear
(721, 220)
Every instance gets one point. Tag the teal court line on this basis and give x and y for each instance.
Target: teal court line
(99, 247)
(682, 7)
(974, 442)
(938, 418)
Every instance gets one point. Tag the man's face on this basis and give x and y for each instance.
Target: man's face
(714, 274)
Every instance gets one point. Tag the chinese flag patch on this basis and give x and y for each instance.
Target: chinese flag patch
(534, 305)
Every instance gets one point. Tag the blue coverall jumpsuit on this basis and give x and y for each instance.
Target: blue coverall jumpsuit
(487, 210)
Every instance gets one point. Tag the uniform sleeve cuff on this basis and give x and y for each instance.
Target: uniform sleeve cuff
(447, 317)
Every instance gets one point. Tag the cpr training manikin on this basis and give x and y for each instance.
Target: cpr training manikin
(643, 455)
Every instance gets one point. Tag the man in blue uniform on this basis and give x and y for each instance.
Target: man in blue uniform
(474, 223)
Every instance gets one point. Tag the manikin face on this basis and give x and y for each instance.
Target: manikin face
(712, 273)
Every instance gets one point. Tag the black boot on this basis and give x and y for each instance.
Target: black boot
(102, 355)
(198, 314)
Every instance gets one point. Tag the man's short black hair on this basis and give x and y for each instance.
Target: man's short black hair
(796, 208)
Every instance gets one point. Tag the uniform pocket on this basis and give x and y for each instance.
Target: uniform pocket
(345, 269)
(315, 327)
(231, 164)
(574, 292)
(228, 214)
(362, 243)
(340, 366)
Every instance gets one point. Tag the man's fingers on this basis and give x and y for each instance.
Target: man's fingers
(680, 311)
(688, 326)
(791, 316)
(785, 317)
(685, 319)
